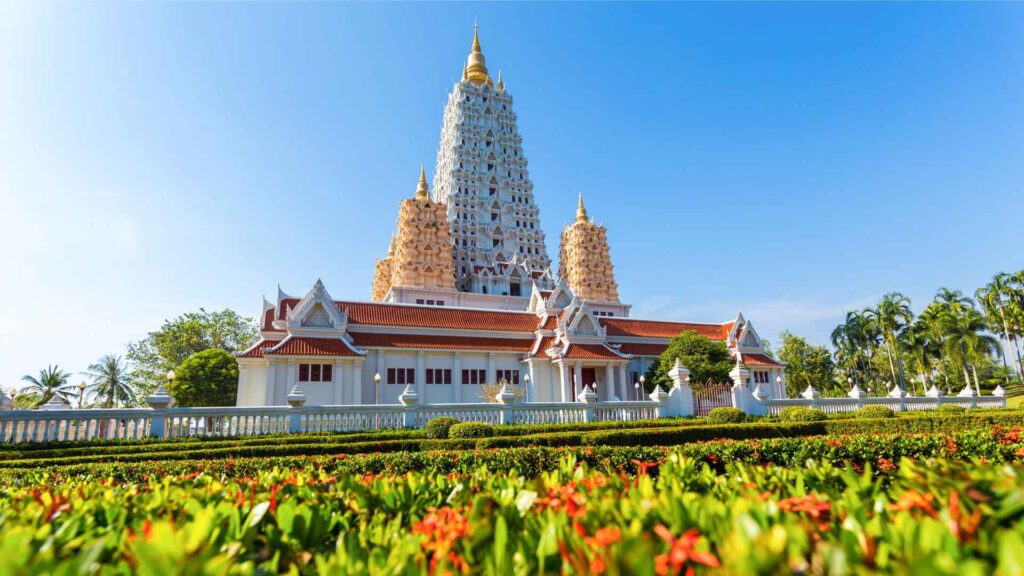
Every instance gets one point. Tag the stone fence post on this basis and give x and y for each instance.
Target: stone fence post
(661, 398)
(506, 399)
(680, 398)
(740, 375)
(409, 399)
(811, 394)
(296, 398)
(159, 401)
(588, 397)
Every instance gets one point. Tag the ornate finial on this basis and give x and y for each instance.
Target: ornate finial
(422, 192)
(476, 67)
(581, 212)
(501, 84)
(391, 247)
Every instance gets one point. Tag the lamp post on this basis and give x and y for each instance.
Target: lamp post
(643, 382)
(636, 386)
(526, 382)
(376, 388)
(81, 393)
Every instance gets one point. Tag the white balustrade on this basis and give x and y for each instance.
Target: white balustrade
(835, 405)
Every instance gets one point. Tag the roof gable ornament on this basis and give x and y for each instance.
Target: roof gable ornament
(316, 312)
(584, 323)
(749, 337)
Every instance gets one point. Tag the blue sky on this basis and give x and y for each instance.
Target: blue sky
(788, 160)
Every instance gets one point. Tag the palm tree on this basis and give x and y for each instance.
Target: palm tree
(110, 382)
(853, 340)
(921, 349)
(51, 382)
(994, 298)
(890, 317)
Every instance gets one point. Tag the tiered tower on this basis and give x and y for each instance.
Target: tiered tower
(584, 262)
(420, 255)
(482, 177)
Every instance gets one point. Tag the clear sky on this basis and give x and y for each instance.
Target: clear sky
(788, 160)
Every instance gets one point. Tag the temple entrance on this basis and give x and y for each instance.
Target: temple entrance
(711, 395)
(590, 377)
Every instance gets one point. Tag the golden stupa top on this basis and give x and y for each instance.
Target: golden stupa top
(581, 212)
(422, 191)
(476, 67)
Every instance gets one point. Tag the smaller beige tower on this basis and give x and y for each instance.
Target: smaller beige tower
(420, 255)
(584, 261)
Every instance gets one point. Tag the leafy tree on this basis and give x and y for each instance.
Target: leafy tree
(999, 300)
(807, 365)
(890, 317)
(704, 358)
(110, 382)
(149, 359)
(51, 382)
(207, 378)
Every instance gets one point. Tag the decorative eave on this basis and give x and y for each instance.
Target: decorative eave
(298, 318)
(313, 346)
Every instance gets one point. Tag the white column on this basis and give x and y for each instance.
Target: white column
(339, 379)
(242, 392)
(531, 388)
(268, 393)
(457, 376)
(623, 383)
(421, 375)
(577, 371)
(609, 381)
(291, 378)
(356, 382)
(490, 368)
(564, 384)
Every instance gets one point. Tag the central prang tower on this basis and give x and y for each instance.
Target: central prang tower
(481, 174)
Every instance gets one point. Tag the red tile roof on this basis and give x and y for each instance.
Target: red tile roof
(591, 352)
(726, 328)
(541, 348)
(268, 319)
(442, 342)
(643, 349)
(550, 323)
(379, 314)
(302, 346)
(256, 351)
(658, 329)
(759, 360)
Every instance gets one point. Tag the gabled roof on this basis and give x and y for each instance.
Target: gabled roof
(374, 339)
(642, 349)
(658, 329)
(759, 360)
(304, 346)
(381, 314)
(256, 350)
(592, 352)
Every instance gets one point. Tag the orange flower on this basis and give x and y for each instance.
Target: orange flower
(820, 511)
(913, 500)
(885, 465)
(443, 528)
(682, 553)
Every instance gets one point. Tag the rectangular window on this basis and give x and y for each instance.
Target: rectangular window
(401, 376)
(474, 376)
(316, 372)
(439, 376)
(419, 300)
(510, 376)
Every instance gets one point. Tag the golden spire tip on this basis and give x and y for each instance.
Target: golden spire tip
(422, 191)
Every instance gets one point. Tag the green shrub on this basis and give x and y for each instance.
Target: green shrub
(950, 409)
(471, 430)
(876, 412)
(438, 427)
(797, 414)
(724, 415)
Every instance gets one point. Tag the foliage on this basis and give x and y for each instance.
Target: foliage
(438, 428)
(110, 382)
(950, 409)
(489, 391)
(51, 382)
(664, 512)
(876, 412)
(207, 378)
(471, 430)
(151, 358)
(799, 414)
(807, 365)
(725, 415)
(706, 359)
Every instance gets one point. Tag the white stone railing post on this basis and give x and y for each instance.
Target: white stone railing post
(811, 394)
(506, 399)
(159, 401)
(588, 397)
(409, 398)
(856, 393)
(661, 402)
(680, 398)
(740, 376)
(295, 400)
(934, 392)
(898, 393)
(968, 393)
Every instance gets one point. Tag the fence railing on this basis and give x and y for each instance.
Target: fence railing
(834, 405)
(17, 426)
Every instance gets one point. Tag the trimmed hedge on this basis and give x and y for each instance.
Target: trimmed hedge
(471, 430)
(438, 427)
(951, 409)
(799, 414)
(876, 412)
(723, 415)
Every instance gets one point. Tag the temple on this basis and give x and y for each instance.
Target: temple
(465, 295)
